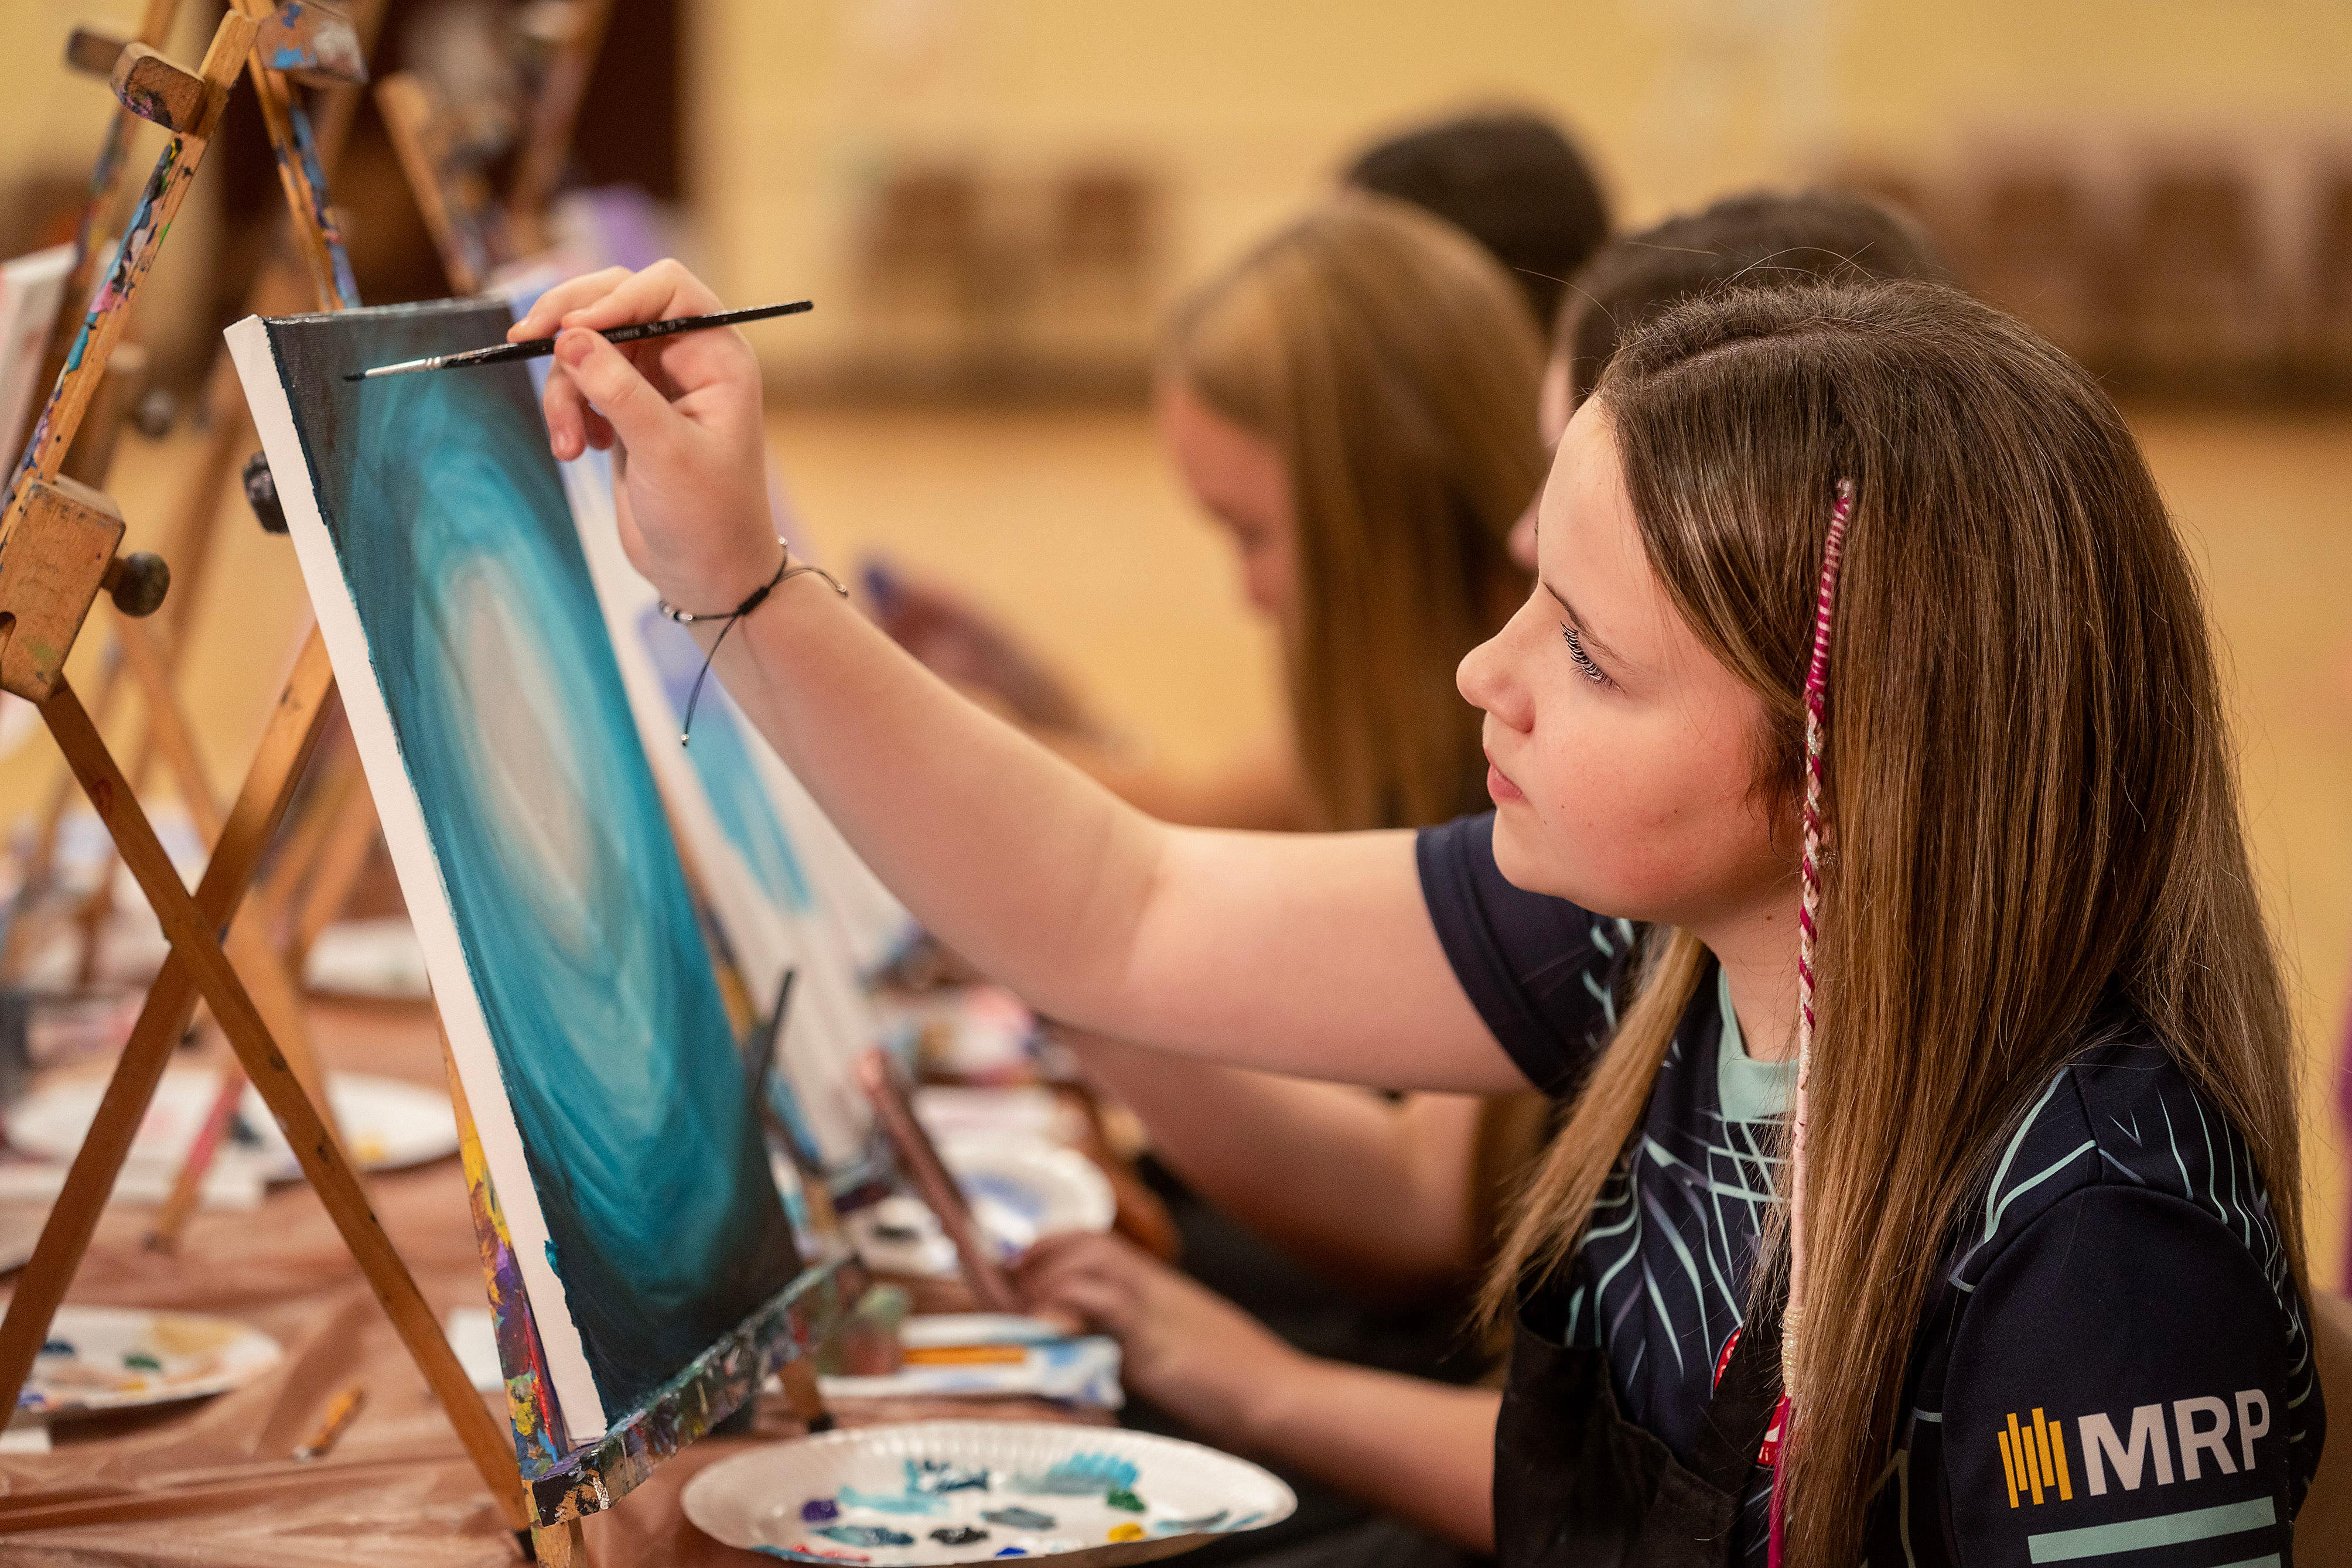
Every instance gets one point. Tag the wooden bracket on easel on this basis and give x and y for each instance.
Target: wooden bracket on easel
(51, 571)
(314, 45)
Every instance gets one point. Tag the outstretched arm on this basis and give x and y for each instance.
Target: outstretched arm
(1306, 953)
(1374, 1191)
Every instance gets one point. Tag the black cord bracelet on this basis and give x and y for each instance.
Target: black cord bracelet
(785, 569)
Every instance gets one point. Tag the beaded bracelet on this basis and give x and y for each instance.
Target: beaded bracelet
(784, 569)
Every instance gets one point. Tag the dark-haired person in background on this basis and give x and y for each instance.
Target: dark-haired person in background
(1509, 178)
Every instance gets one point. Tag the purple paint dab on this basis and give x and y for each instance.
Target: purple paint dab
(818, 1510)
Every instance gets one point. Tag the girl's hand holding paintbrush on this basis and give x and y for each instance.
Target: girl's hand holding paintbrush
(694, 512)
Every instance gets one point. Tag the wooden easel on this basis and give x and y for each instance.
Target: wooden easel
(322, 47)
(57, 550)
(319, 48)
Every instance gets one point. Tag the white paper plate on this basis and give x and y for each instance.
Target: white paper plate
(20, 1229)
(1190, 1494)
(121, 1358)
(388, 1123)
(379, 959)
(1019, 1189)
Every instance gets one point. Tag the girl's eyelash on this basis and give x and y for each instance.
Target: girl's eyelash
(1584, 665)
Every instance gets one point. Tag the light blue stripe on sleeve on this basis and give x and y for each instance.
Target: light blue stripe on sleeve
(2164, 1530)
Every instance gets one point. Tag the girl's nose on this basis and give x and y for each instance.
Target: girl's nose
(1485, 681)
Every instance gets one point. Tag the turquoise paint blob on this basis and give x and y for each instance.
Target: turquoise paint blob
(866, 1536)
(891, 1501)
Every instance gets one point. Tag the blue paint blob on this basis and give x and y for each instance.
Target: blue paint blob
(891, 1501)
(1014, 1551)
(938, 1475)
(1081, 1475)
(58, 1347)
(818, 1510)
(1019, 1519)
(866, 1536)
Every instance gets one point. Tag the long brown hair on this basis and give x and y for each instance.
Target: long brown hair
(2032, 811)
(1391, 363)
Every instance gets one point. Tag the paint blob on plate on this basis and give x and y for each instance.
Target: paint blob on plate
(935, 1493)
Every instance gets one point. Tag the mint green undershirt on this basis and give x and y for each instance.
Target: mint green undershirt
(1749, 1090)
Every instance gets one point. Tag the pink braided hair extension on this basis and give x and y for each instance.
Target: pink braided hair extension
(1816, 682)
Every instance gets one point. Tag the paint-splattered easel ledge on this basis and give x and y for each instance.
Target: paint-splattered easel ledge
(723, 1378)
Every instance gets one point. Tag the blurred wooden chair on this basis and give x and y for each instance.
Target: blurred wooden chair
(1106, 226)
(2201, 304)
(1098, 267)
(2323, 1531)
(923, 279)
(2326, 336)
(923, 237)
(2037, 245)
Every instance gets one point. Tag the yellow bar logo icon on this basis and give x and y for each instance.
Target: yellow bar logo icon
(2034, 1457)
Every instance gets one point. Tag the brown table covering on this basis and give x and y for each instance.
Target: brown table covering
(213, 1484)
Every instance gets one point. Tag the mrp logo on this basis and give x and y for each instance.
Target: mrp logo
(2033, 1456)
(2198, 1433)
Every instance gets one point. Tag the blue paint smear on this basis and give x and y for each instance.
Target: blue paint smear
(449, 521)
(723, 760)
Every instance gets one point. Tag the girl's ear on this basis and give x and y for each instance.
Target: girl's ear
(1779, 795)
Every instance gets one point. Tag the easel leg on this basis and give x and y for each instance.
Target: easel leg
(561, 1545)
(293, 730)
(798, 1378)
(487, 1441)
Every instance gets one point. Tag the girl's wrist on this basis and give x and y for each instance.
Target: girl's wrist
(1267, 1391)
(722, 590)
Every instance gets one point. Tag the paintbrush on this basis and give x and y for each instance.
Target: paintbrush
(761, 1058)
(537, 347)
(339, 1412)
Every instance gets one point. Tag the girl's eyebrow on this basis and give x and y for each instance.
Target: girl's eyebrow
(1593, 640)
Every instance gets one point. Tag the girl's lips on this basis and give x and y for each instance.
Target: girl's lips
(1499, 786)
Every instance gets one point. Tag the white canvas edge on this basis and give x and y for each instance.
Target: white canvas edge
(767, 939)
(403, 818)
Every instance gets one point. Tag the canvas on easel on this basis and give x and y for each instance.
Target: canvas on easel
(755, 866)
(648, 1245)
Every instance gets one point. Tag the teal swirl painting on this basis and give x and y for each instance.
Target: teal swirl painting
(544, 879)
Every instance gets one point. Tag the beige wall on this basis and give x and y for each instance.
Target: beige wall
(1245, 105)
